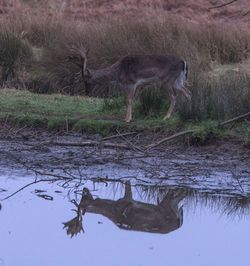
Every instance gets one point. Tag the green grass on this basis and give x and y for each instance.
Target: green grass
(61, 112)
(23, 102)
(92, 115)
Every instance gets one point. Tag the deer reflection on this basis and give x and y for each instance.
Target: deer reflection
(130, 214)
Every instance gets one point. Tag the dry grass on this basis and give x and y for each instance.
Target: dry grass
(195, 10)
(201, 45)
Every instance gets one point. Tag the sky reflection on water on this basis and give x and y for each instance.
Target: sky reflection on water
(32, 234)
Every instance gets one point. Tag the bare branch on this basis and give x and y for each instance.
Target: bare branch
(245, 14)
(186, 132)
(222, 5)
(183, 133)
(119, 135)
(89, 143)
(237, 118)
(30, 184)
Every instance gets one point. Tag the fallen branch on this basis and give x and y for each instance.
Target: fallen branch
(234, 119)
(90, 143)
(119, 135)
(183, 133)
(133, 146)
(187, 132)
(246, 13)
(30, 184)
(130, 145)
(222, 5)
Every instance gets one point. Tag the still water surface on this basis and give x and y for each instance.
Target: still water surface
(32, 234)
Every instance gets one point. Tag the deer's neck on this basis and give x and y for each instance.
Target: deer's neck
(107, 74)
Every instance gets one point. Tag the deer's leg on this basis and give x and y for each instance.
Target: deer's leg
(128, 191)
(173, 198)
(131, 92)
(172, 104)
(186, 92)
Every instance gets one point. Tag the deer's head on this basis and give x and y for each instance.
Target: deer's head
(78, 55)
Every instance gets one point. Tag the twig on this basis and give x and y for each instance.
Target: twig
(222, 5)
(119, 135)
(246, 13)
(30, 184)
(135, 147)
(186, 132)
(88, 143)
(234, 119)
(67, 124)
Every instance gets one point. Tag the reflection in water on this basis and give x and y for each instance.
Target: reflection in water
(74, 226)
(31, 230)
(157, 210)
(130, 214)
(163, 217)
(206, 230)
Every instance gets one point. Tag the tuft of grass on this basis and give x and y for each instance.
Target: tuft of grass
(116, 105)
(62, 71)
(152, 102)
(219, 97)
(13, 53)
(102, 127)
(204, 133)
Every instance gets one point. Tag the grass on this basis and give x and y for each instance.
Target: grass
(23, 102)
(61, 112)
(91, 115)
(36, 52)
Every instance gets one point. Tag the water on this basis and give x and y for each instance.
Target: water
(215, 229)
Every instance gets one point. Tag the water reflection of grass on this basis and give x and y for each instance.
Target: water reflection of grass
(226, 204)
(234, 205)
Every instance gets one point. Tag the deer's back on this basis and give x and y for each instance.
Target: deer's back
(134, 67)
(147, 217)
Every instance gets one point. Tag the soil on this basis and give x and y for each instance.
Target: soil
(220, 166)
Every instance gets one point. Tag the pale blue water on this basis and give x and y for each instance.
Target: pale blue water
(31, 234)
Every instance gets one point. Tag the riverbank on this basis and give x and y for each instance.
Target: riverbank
(65, 114)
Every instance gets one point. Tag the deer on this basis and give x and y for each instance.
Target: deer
(131, 71)
(130, 214)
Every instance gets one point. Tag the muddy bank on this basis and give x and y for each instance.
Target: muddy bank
(222, 166)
